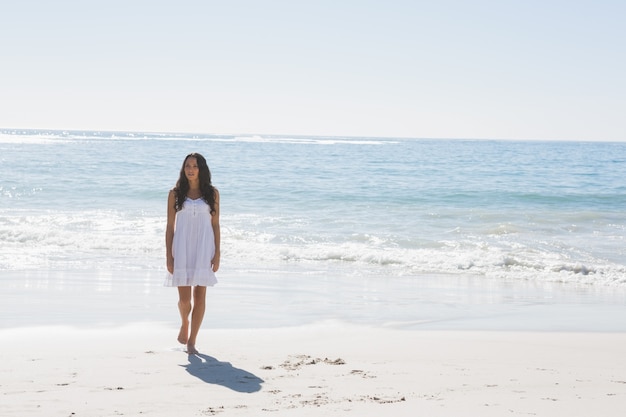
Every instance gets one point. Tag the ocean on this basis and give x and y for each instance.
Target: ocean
(365, 210)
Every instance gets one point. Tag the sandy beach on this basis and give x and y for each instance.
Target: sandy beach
(325, 369)
(73, 347)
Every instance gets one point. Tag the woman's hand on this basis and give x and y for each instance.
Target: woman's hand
(170, 264)
(215, 262)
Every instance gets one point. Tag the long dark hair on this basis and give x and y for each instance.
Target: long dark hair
(204, 175)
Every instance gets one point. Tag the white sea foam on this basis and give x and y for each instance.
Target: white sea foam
(310, 140)
(113, 240)
(33, 139)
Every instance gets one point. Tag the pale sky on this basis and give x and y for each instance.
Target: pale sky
(426, 69)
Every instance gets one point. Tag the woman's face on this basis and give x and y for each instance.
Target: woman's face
(191, 169)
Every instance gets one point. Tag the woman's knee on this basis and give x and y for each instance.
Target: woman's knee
(199, 295)
(184, 295)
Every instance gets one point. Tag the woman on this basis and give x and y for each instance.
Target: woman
(192, 242)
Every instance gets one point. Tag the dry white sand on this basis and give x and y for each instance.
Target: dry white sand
(327, 369)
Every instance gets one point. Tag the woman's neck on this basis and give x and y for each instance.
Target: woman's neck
(194, 191)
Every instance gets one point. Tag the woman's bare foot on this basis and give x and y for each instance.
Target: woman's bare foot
(183, 335)
(191, 349)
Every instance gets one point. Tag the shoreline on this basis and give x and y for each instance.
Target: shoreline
(262, 299)
(252, 300)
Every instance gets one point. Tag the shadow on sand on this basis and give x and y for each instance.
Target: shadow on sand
(212, 371)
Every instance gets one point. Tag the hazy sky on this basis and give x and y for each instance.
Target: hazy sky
(429, 69)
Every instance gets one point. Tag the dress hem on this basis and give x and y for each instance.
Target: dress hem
(170, 281)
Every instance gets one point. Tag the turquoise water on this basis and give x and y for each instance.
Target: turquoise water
(359, 207)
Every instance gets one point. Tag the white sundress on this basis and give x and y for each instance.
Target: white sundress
(193, 246)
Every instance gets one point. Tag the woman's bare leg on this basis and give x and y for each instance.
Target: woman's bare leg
(184, 306)
(197, 314)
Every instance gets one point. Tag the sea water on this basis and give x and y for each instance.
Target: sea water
(93, 204)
